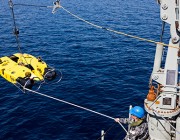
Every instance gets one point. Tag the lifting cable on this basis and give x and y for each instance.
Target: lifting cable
(78, 106)
(104, 28)
(16, 31)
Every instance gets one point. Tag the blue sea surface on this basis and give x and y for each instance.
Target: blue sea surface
(102, 71)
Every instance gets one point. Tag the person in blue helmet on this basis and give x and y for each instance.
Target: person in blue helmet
(138, 129)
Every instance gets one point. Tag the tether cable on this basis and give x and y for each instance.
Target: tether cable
(118, 32)
(97, 26)
(78, 106)
(104, 28)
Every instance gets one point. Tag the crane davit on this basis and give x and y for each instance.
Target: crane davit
(163, 100)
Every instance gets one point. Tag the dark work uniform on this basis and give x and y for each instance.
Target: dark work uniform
(138, 130)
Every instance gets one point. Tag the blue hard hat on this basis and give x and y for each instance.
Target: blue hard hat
(137, 111)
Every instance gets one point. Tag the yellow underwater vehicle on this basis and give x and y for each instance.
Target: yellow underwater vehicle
(25, 70)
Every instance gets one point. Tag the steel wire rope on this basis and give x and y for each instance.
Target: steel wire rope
(16, 31)
(72, 104)
(14, 23)
(104, 28)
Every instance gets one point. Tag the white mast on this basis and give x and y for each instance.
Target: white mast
(163, 99)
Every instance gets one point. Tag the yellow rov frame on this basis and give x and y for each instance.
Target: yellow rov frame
(36, 65)
(24, 69)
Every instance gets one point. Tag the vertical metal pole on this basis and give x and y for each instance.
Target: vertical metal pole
(130, 107)
(102, 134)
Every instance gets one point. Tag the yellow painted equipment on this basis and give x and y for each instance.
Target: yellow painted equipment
(25, 69)
(36, 65)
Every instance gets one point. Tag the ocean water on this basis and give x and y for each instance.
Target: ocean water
(101, 70)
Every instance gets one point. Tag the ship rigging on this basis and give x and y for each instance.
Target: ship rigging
(163, 100)
(25, 70)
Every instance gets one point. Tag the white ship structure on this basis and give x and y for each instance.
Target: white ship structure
(163, 100)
